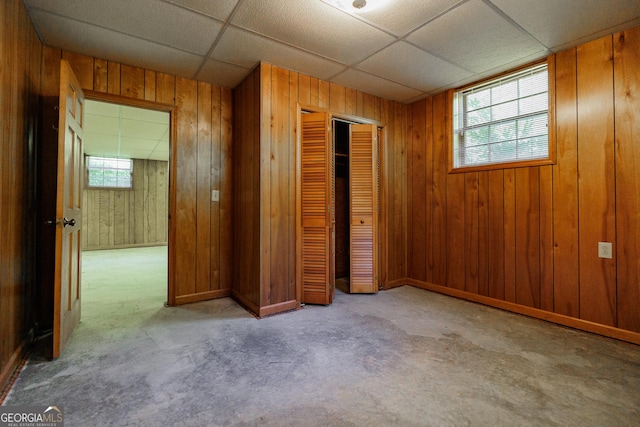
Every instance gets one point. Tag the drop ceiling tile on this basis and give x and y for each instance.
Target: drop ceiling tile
(246, 49)
(400, 16)
(152, 20)
(141, 129)
(314, 26)
(475, 37)
(142, 114)
(104, 125)
(101, 108)
(375, 85)
(100, 145)
(559, 23)
(410, 66)
(222, 74)
(133, 153)
(127, 143)
(162, 156)
(219, 9)
(102, 43)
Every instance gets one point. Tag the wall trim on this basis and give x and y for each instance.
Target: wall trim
(203, 296)
(12, 365)
(560, 319)
(281, 307)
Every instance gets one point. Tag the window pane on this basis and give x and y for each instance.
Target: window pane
(478, 117)
(505, 92)
(533, 104)
(109, 172)
(477, 100)
(477, 155)
(503, 121)
(505, 111)
(477, 136)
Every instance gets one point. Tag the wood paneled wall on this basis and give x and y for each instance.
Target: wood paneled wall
(200, 229)
(117, 218)
(529, 236)
(265, 117)
(20, 56)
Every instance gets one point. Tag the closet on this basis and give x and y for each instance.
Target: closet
(323, 224)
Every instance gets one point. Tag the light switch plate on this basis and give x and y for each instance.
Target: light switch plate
(215, 195)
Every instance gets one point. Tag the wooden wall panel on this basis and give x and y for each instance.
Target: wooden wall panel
(21, 54)
(566, 291)
(496, 243)
(204, 255)
(280, 214)
(201, 152)
(115, 218)
(529, 236)
(471, 231)
(418, 237)
(596, 186)
(627, 122)
(265, 119)
(438, 196)
(246, 172)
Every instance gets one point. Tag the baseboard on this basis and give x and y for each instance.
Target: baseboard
(272, 309)
(395, 283)
(129, 246)
(249, 305)
(203, 296)
(560, 319)
(12, 364)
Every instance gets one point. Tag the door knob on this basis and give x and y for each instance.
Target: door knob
(71, 222)
(362, 221)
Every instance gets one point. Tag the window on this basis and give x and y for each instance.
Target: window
(109, 172)
(502, 121)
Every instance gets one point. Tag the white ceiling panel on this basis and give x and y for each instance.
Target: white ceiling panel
(101, 142)
(160, 22)
(557, 23)
(500, 42)
(140, 129)
(402, 16)
(142, 114)
(219, 9)
(246, 49)
(159, 155)
(314, 26)
(104, 125)
(106, 44)
(222, 73)
(418, 67)
(375, 85)
(220, 41)
(139, 143)
(101, 109)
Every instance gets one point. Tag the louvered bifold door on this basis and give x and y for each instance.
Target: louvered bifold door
(316, 198)
(364, 201)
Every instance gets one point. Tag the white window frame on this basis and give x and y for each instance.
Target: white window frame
(460, 124)
(121, 162)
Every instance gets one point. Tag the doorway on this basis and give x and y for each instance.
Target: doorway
(125, 203)
(341, 202)
(322, 224)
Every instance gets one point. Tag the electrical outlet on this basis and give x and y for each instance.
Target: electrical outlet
(215, 195)
(605, 250)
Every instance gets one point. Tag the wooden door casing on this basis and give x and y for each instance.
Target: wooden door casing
(68, 209)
